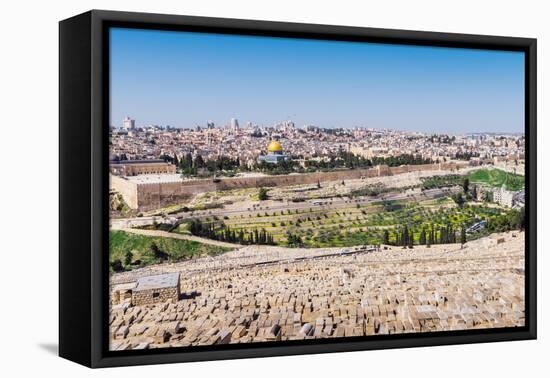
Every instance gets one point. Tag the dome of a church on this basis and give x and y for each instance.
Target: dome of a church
(275, 147)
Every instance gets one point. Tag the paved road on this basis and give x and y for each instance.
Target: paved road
(325, 204)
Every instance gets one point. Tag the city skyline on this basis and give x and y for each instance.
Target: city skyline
(323, 83)
(227, 125)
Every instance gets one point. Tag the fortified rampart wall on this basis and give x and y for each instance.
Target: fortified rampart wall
(155, 195)
(127, 188)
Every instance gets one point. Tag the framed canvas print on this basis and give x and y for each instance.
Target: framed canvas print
(234, 188)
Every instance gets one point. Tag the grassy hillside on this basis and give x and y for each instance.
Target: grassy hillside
(496, 178)
(134, 251)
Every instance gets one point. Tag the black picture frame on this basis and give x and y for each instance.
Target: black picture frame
(83, 181)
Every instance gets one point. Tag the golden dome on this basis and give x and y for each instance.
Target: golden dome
(275, 146)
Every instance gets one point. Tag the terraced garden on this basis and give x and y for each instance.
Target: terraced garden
(328, 224)
(356, 224)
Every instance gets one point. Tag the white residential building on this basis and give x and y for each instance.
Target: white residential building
(128, 123)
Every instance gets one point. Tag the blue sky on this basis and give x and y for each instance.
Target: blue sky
(183, 79)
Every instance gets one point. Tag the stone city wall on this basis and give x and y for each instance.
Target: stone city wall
(156, 195)
(127, 188)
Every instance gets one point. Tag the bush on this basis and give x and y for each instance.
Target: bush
(161, 255)
(128, 256)
(117, 266)
(262, 194)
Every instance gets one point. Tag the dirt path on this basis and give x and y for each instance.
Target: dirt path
(165, 234)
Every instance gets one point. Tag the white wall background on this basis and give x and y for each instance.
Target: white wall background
(29, 185)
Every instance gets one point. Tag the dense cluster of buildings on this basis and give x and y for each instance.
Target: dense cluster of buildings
(500, 195)
(309, 142)
(508, 198)
(387, 143)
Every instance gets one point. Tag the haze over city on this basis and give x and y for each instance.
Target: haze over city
(185, 79)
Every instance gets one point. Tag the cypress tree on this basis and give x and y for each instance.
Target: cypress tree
(453, 233)
(398, 237)
(386, 239)
(422, 239)
(466, 185)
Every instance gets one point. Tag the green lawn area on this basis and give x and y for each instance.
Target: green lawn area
(143, 251)
(496, 178)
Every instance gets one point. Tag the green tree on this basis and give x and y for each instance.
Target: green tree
(262, 194)
(187, 161)
(157, 252)
(466, 185)
(128, 257)
(433, 235)
(422, 238)
(459, 200)
(405, 236)
(117, 266)
(199, 162)
(386, 238)
(294, 240)
(474, 192)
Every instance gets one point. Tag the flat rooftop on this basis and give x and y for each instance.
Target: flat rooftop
(160, 281)
(160, 178)
(124, 286)
(155, 178)
(130, 162)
